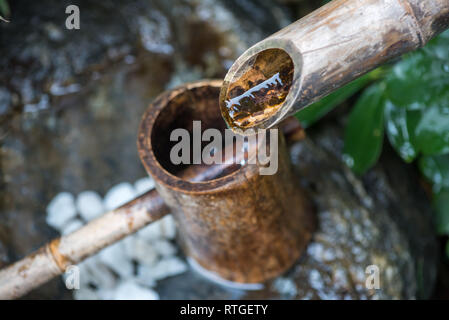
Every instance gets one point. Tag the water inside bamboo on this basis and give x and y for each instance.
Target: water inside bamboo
(259, 90)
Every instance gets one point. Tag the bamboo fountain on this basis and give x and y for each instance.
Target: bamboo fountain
(232, 221)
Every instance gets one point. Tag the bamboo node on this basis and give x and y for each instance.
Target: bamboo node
(60, 260)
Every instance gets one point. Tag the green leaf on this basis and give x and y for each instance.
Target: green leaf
(447, 248)
(419, 79)
(4, 8)
(364, 131)
(319, 109)
(420, 85)
(441, 205)
(437, 47)
(432, 131)
(400, 125)
(436, 170)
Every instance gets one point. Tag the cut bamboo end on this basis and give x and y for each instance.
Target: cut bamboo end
(338, 43)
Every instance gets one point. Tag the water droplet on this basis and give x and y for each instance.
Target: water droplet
(348, 160)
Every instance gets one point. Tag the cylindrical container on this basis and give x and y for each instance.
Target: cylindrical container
(243, 226)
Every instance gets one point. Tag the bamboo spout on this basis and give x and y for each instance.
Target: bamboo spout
(329, 48)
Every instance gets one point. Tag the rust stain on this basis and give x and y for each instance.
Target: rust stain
(23, 270)
(61, 261)
(130, 222)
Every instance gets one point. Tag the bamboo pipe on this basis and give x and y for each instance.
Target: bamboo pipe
(336, 44)
(52, 259)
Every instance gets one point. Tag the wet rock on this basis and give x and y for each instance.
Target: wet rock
(3, 255)
(44, 59)
(382, 220)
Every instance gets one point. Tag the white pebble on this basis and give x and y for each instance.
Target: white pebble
(286, 286)
(85, 294)
(145, 278)
(140, 250)
(168, 226)
(165, 268)
(145, 275)
(129, 290)
(115, 258)
(89, 205)
(151, 232)
(71, 226)
(60, 210)
(143, 185)
(93, 271)
(119, 195)
(164, 248)
(163, 228)
(106, 294)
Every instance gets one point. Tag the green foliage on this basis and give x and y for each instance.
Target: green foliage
(319, 109)
(400, 127)
(4, 8)
(447, 248)
(436, 170)
(411, 105)
(365, 130)
(441, 204)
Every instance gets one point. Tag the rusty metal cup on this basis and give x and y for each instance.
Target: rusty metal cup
(242, 227)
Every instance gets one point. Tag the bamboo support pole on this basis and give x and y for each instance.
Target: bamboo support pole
(339, 42)
(53, 258)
